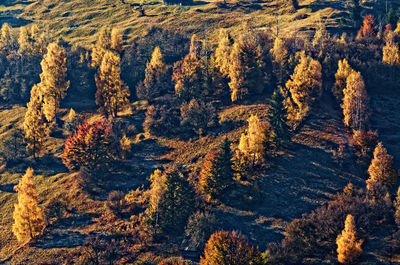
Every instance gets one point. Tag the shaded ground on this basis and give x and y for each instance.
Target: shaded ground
(302, 179)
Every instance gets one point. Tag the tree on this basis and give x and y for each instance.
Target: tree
(355, 102)
(13, 147)
(246, 69)
(200, 227)
(156, 77)
(189, 78)
(32, 41)
(216, 172)
(35, 126)
(355, 12)
(382, 169)
(305, 85)
(53, 79)
(368, 29)
(252, 143)
(198, 116)
(279, 132)
(391, 53)
(103, 45)
(171, 202)
(396, 205)
(6, 39)
(112, 94)
(195, 46)
(222, 53)
(341, 75)
(91, 147)
(28, 217)
(116, 41)
(349, 248)
(280, 58)
(230, 248)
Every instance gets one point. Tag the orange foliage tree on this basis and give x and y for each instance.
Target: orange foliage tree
(90, 146)
(368, 29)
(349, 248)
(230, 248)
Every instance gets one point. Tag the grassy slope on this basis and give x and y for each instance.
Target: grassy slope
(78, 21)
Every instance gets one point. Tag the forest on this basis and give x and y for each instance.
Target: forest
(229, 144)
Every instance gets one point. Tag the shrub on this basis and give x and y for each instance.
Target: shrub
(161, 120)
(200, 227)
(230, 248)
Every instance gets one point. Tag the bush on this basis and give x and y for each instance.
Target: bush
(230, 248)
(162, 120)
(116, 202)
(200, 227)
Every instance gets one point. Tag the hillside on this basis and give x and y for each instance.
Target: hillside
(148, 156)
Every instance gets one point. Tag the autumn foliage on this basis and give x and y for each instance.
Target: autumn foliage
(90, 146)
(230, 248)
(349, 248)
(28, 217)
(382, 169)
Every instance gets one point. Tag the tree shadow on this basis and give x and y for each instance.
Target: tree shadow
(8, 188)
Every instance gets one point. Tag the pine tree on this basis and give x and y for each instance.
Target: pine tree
(53, 79)
(279, 132)
(246, 69)
(34, 124)
(216, 173)
(349, 248)
(156, 78)
(28, 217)
(343, 72)
(355, 102)
(230, 248)
(222, 53)
(305, 85)
(103, 44)
(112, 94)
(382, 169)
(189, 78)
(171, 202)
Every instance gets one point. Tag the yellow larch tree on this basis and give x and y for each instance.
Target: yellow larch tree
(116, 41)
(222, 53)
(251, 143)
(35, 126)
(355, 102)
(382, 169)
(156, 79)
(344, 70)
(112, 94)
(305, 85)
(349, 248)
(280, 57)
(28, 217)
(391, 53)
(53, 79)
(102, 45)
(6, 39)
